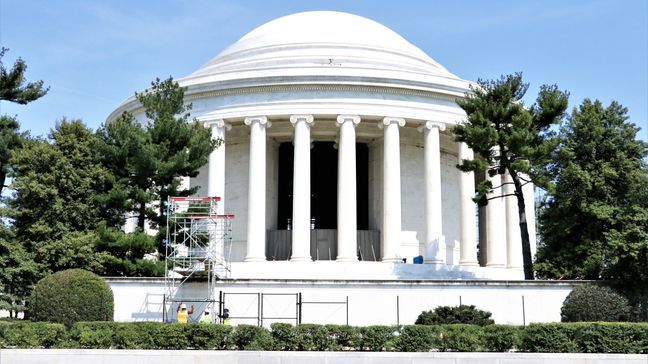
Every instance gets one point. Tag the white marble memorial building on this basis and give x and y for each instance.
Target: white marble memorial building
(339, 160)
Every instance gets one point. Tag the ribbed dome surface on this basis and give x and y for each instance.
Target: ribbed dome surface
(321, 43)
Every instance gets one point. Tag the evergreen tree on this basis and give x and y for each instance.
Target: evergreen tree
(58, 185)
(12, 83)
(18, 271)
(182, 145)
(68, 206)
(131, 157)
(10, 139)
(594, 224)
(509, 138)
(14, 89)
(150, 158)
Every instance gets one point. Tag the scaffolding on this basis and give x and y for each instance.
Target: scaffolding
(198, 246)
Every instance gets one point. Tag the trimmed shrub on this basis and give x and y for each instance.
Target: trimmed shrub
(345, 337)
(377, 338)
(251, 337)
(631, 338)
(34, 334)
(501, 338)
(447, 315)
(589, 303)
(173, 336)
(548, 338)
(93, 335)
(209, 336)
(312, 337)
(136, 335)
(460, 337)
(611, 337)
(417, 338)
(71, 296)
(3, 326)
(284, 336)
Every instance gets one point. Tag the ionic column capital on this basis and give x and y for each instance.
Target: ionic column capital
(262, 120)
(429, 125)
(390, 120)
(308, 119)
(222, 124)
(216, 123)
(354, 119)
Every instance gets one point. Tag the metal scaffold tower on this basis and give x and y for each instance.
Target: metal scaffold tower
(198, 245)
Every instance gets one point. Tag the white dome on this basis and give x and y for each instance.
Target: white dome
(321, 63)
(321, 43)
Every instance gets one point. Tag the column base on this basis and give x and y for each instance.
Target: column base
(346, 259)
(301, 259)
(469, 263)
(496, 265)
(254, 259)
(436, 262)
(392, 260)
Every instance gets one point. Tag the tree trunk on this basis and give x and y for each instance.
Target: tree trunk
(524, 230)
(163, 201)
(3, 176)
(141, 218)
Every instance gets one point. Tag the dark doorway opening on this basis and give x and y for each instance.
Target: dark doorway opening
(323, 185)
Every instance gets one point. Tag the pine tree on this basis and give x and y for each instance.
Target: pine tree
(182, 144)
(509, 138)
(12, 83)
(14, 89)
(149, 158)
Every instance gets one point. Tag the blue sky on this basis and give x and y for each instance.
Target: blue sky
(94, 54)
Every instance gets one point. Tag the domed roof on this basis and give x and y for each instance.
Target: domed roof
(321, 43)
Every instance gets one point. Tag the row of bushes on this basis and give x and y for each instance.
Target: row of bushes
(554, 337)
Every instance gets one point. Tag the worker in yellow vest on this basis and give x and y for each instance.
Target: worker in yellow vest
(205, 318)
(183, 313)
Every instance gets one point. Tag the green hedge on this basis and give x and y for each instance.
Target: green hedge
(631, 338)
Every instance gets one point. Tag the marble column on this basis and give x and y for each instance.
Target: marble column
(347, 229)
(391, 214)
(513, 239)
(216, 167)
(434, 239)
(495, 225)
(468, 248)
(301, 189)
(256, 232)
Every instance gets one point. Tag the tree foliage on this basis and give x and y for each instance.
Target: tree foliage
(594, 224)
(12, 83)
(67, 208)
(150, 157)
(509, 138)
(59, 185)
(18, 273)
(11, 138)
